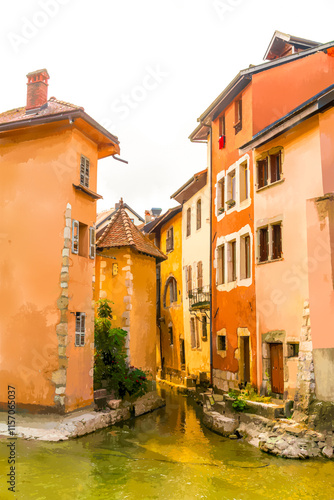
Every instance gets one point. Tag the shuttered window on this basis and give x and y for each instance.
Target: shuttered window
(275, 167)
(188, 221)
(221, 196)
(84, 171)
(199, 274)
(75, 236)
(199, 214)
(276, 241)
(193, 333)
(189, 279)
(262, 173)
(170, 239)
(91, 242)
(221, 265)
(263, 244)
(204, 328)
(80, 328)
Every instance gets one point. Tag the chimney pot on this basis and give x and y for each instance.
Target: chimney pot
(37, 91)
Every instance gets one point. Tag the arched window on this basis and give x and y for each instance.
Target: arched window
(170, 293)
(198, 214)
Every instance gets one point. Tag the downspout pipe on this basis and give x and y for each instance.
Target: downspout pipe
(211, 317)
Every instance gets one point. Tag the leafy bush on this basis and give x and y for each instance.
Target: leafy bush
(110, 362)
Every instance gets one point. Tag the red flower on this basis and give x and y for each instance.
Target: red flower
(137, 381)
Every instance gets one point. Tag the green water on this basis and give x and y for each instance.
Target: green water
(167, 454)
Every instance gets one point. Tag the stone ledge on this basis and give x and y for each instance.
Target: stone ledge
(81, 423)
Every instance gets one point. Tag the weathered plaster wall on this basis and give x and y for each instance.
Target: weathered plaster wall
(173, 315)
(282, 285)
(282, 88)
(133, 294)
(38, 168)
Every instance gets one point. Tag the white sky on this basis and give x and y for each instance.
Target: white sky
(145, 69)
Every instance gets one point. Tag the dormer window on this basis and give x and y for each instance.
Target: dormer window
(84, 171)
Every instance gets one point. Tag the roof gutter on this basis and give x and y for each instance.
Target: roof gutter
(70, 115)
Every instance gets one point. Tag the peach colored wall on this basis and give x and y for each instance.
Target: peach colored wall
(174, 314)
(282, 286)
(38, 167)
(326, 127)
(136, 272)
(282, 88)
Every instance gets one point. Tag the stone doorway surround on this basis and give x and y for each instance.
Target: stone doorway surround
(273, 337)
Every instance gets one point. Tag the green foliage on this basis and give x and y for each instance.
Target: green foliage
(250, 394)
(110, 363)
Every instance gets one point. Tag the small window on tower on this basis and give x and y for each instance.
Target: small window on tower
(84, 171)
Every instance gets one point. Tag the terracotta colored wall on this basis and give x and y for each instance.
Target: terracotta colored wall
(235, 308)
(282, 88)
(133, 293)
(174, 314)
(38, 168)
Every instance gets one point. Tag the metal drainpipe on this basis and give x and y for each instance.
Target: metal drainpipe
(211, 317)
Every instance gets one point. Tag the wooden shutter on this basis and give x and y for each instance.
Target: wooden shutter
(75, 236)
(263, 244)
(192, 333)
(84, 171)
(91, 242)
(188, 221)
(189, 282)
(277, 241)
(199, 214)
(200, 275)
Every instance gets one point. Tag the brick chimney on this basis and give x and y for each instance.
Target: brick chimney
(37, 92)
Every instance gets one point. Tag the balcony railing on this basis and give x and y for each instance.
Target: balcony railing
(199, 298)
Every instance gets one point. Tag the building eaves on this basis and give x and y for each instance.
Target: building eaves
(240, 82)
(191, 187)
(317, 103)
(163, 219)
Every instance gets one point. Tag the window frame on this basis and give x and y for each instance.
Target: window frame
(221, 265)
(170, 239)
(267, 172)
(198, 214)
(171, 287)
(84, 171)
(220, 336)
(80, 334)
(92, 242)
(188, 222)
(75, 236)
(272, 254)
(237, 115)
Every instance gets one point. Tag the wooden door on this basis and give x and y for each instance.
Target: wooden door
(277, 369)
(246, 359)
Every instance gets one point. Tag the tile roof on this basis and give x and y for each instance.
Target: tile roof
(54, 106)
(121, 232)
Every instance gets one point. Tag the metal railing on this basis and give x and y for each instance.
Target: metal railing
(199, 298)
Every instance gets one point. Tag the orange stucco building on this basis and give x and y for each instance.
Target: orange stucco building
(49, 150)
(294, 71)
(125, 274)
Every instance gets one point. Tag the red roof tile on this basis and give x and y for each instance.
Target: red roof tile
(121, 232)
(53, 107)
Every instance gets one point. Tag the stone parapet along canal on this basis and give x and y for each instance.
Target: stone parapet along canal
(166, 454)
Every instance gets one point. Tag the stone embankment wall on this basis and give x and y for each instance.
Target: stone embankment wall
(81, 423)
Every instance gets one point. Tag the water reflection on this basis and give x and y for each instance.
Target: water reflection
(163, 455)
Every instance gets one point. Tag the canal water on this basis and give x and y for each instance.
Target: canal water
(166, 454)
